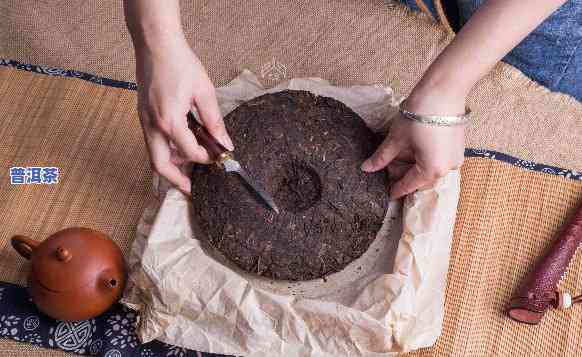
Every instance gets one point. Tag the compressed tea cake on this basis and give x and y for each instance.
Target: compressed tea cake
(306, 151)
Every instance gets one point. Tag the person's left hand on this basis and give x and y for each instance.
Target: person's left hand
(417, 155)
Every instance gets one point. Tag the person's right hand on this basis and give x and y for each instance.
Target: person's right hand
(171, 81)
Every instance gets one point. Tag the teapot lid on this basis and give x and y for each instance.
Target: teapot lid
(77, 258)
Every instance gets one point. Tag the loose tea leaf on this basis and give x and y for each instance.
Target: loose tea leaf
(306, 150)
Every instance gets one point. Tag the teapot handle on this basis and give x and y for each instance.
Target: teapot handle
(24, 245)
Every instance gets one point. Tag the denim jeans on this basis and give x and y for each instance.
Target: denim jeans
(551, 55)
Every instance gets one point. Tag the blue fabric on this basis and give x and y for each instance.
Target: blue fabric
(110, 335)
(552, 54)
(411, 4)
(429, 4)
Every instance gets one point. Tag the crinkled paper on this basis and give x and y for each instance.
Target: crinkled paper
(389, 300)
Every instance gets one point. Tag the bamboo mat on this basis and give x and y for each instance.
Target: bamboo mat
(507, 215)
(91, 133)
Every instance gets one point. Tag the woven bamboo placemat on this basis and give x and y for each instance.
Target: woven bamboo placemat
(91, 133)
(507, 214)
(507, 218)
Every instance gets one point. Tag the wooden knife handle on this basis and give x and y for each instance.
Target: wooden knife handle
(214, 148)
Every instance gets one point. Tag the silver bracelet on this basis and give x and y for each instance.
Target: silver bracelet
(439, 120)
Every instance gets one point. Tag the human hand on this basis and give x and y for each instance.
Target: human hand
(417, 155)
(170, 81)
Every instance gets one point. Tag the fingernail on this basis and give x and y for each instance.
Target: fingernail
(227, 142)
(367, 166)
(185, 190)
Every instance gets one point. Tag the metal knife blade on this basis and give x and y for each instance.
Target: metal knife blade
(225, 158)
(233, 166)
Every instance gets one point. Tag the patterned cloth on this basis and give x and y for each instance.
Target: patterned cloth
(110, 335)
(551, 55)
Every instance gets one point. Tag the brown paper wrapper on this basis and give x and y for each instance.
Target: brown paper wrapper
(389, 300)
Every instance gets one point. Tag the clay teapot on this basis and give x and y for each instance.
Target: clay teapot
(76, 274)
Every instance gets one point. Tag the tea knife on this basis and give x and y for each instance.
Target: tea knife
(225, 159)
